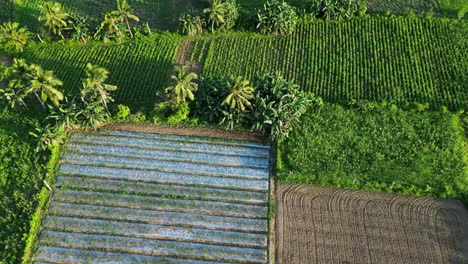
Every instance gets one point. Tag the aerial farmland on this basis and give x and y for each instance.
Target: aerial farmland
(233, 131)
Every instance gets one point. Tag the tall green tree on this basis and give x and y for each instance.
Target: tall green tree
(13, 37)
(18, 76)
(216, 13)
(183, 86)
(95, 82)
(124, 13)
(44, 86)
(240, 94)
(53, 17)
(111, 27)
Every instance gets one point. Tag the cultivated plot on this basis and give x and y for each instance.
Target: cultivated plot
(127, 196)
(326, 225)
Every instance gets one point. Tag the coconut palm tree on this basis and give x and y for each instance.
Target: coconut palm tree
(111, 26)
(216, 12)
(45, 84)
(183, 85)
(240, 93)
(124, 13)
(13, 36)
(18, 76)
(54, 17)
(94, 82)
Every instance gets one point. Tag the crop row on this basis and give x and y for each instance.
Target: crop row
(374, 58)
(138, 69)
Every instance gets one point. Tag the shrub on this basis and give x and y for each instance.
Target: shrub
(337, 9)
(179, 115)
(191, 23)
(231, 15)
(278, 105)
(207, 103)
(123, 112)
(277, 18)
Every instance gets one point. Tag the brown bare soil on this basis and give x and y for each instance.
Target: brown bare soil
(189, 131)
(183, 57)
(327, 225)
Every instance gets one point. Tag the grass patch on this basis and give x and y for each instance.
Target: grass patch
(383, 149)
(20, 174)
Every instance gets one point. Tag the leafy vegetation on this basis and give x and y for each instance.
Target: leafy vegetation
(183, 86)
(277, 17)
(380, 148)
(374, 58)
(54, 17)
(191, 22)
(24, 80)
(13, 38)
(335, 9)
(20, 180)
(279, 104)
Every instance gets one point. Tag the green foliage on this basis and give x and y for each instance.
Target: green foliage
(191, 23)
(42, 198)
(48, 136)
(44, 85)
(231, 15)
(78, 28)
(239, 94)
(139, 69)
(123, 14)
(179, 115)
(53, 17)
(95, 97)
(94, 84)
(123, 112)
(216, 13)
(381, 148)
(20, 174)
(277, 17)
(278, 105)
(207, 103)
(373, 58)
(335, 9)
(182, 87)
(13, 38)
(24, 80)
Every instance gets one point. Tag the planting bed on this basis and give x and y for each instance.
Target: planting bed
(131, 196)
(326, 225)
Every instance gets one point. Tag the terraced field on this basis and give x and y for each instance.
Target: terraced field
(127, 196)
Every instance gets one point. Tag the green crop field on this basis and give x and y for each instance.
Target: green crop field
(138, 69)
(382, 149)
(20, 174)
(376, 58)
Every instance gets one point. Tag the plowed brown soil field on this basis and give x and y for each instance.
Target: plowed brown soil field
(327, 225)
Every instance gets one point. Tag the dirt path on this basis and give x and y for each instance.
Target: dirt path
(189, 131)
(183, 57)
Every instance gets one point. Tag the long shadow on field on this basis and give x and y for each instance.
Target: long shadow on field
(137, 81)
